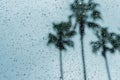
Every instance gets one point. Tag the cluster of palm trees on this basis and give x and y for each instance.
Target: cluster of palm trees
(85, 14)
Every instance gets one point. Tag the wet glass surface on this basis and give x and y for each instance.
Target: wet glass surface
(25, 55)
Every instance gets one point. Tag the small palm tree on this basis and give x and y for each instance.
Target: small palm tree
(85, 15)
(61, 39)
(104, 38)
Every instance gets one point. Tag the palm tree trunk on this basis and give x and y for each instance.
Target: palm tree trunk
(81, 31)
(61, 66)
(107, 67)
(83, 58)
(82, 48)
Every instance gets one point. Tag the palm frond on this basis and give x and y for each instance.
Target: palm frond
(96, 46)
(83, 6)
(92, 25)
(52, 39)
(92, 5)
(104, 33)
(63, 26)
(115, 41)
(69, 43)
(111, 50)
(74, 6)
(97, 32)
(96, 15)
(70, 34)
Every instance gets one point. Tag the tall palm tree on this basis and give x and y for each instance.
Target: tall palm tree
(104, 38)
(85, 15)
(61, 39)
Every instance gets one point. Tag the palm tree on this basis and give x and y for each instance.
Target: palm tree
(85, 15)
(61, 39)
(104, 38)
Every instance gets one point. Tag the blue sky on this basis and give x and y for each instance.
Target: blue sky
(24, 55)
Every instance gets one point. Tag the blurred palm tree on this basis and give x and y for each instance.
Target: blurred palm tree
(85, 14)
(104, 43)
(61, 39)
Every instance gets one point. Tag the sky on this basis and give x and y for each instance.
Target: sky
(24, 55)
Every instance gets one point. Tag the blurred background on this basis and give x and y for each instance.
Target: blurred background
(24, 54)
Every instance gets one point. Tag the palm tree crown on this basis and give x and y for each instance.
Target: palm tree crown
(86, 13)
(104, 38)
(62, 37)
